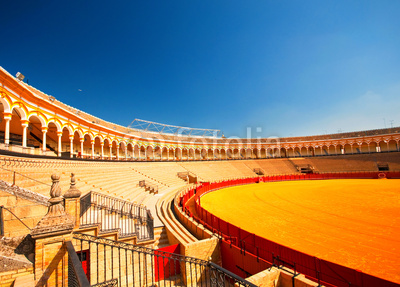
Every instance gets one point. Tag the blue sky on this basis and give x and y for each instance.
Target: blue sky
(288, 68)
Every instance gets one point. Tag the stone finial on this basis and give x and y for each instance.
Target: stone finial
(56, 207)
(56, 221)
(55, 190)
(72, 192)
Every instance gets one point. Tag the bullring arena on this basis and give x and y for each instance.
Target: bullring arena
(85, 202)
(347, 221)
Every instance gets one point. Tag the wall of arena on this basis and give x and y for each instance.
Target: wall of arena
(35, 123)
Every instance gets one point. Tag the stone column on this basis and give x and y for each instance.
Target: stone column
(110, 155)
(59, 135)
(51, 234)
(81, 140)
(117, 152)
(71, 146)
(92, 142)
(24, 125)
(44, 131)
(102, 150)
(7, 119)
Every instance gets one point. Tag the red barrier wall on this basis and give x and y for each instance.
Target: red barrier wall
(244, 253)
(165, 267)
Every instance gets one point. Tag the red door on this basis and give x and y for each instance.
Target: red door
(84, 258)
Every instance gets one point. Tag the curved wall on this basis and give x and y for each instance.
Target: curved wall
(33, 122)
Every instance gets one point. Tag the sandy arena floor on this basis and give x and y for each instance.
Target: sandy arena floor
(353, 222)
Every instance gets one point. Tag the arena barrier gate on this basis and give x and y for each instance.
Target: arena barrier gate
(246, 254)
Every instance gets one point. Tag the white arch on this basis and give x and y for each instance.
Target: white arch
(6, 105)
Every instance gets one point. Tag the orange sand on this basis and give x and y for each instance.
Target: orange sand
(353, 222)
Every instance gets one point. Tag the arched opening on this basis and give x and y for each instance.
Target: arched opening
(16, 130)
(76, 145)
(157, 153)
(178, 154)
(339, 149)
(114, 152)
(365, 148)
(331, 149)
(171, 155)
(52, 140)
(129, 151)
(185, 154)
(203, 154)
(317, 151)
(324, 150)
(164, 154)
(242, 153)
(149, 153)
(65, 142)
(270, 152)
(297, 152)
(87, 146)
(347, 149)
(122, 153)
(229, 154)
(263, 153)
(255, 153)
(235, 153)
(248, 153)
(106, 149)
(373, 147)
(35, 134)
(97, 147)
(290, 152)
(222, 154)
(392, 145)
(210, 154)
(142, 153)
(356, 148)
(303, 151)
(136, 152)
(3, 124)
(283, 152)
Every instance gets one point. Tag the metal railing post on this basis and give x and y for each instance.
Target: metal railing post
(77, 270)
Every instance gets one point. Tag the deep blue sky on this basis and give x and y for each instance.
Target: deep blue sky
(288, 67)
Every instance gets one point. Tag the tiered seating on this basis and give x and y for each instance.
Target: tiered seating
(219, 170)
(116, 179)
(356, 162)
(359, 162)
(163, 172)
(273, 166)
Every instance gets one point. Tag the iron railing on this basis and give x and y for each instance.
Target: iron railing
(113, 214)
(133, 265)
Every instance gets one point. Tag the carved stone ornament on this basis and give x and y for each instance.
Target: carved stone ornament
(56, 221)
(72, 192)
